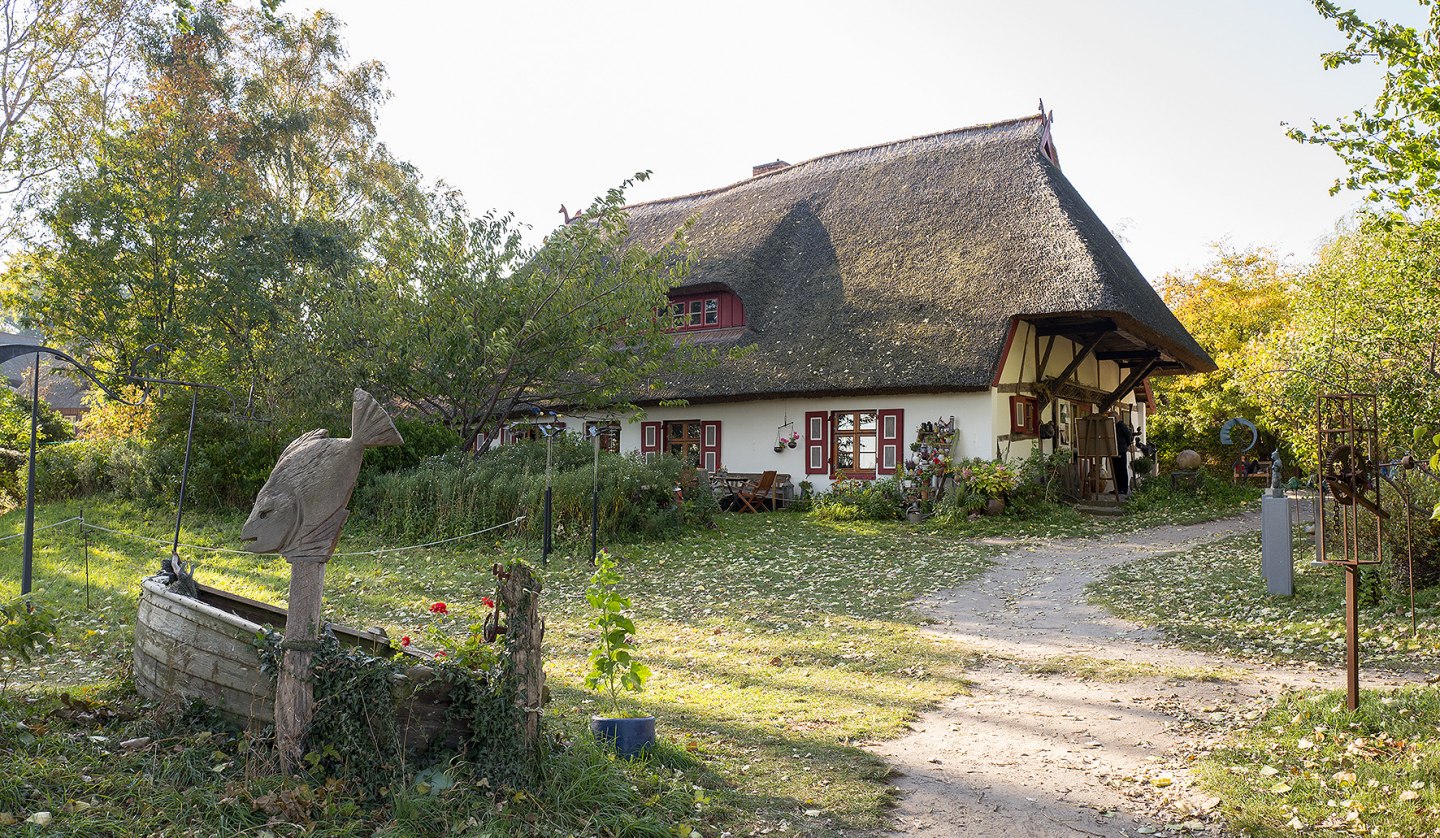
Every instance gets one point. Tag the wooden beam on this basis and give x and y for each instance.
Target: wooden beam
(1073, 328)
(1129, 355)
(1080, 356)
(1044, 361)
(1134, 378)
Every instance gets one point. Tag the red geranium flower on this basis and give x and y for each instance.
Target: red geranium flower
(405, 641)
(439, 655)
(439, 608)
(487, 602)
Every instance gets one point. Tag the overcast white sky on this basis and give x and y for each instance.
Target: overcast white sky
(1168, 115)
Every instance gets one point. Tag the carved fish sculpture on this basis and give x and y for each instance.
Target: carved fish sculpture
(301, 507)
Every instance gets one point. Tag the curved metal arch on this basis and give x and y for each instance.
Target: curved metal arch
(11, 351)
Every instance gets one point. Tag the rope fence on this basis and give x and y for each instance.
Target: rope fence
(84, 524)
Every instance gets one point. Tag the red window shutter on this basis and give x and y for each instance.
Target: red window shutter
(817, 448)
(710, 446)
(652, 439)
(892, 438)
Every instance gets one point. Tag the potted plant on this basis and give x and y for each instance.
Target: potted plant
(613, 668)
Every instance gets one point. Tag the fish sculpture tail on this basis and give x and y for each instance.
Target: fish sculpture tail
(370, 424)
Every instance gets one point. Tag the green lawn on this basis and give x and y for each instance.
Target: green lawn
(1213, 598)
(778, 643)
(1308, 765)
(1311, 767)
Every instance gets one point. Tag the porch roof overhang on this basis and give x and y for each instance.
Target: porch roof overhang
(1122, 339)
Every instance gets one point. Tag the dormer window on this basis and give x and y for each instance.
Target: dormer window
(710, 310)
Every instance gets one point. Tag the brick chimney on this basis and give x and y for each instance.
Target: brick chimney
(767, 168)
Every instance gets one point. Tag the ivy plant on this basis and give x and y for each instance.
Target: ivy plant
(613, 667)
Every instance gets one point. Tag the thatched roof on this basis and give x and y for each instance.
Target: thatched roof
(899, 267)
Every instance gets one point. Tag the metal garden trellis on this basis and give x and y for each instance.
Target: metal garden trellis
(8, 352)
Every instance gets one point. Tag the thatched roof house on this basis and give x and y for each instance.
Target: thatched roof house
(899, 268)
(957, 277)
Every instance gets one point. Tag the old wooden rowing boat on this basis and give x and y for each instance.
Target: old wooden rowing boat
(203, 648)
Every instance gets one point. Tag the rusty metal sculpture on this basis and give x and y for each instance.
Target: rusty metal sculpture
(1347, 437)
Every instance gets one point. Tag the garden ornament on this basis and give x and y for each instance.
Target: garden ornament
(298, 514)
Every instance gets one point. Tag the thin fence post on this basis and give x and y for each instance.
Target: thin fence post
(85, 532)
(547, 544)
(595, 502)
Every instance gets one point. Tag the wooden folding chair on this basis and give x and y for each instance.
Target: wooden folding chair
(687, 484)
(754, 494)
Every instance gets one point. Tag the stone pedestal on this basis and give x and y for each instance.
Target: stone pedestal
(1277, 560)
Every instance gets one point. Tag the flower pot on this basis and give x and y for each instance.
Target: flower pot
(628, 736)
(791, 443)
(779, 448)
(994, 506)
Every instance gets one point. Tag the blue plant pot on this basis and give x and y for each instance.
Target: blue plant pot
(629, 736)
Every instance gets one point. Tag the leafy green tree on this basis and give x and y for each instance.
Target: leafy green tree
(1231, 305)
(63, 65)
(1393, 155)
(462, 320)
(218, 213)
(1389, 148)
(1363, 319)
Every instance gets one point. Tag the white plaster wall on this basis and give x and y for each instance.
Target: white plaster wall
(748, 430)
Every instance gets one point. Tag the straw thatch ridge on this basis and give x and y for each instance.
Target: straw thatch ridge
(899, 267)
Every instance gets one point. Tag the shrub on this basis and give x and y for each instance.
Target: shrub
(423, 440)
(25, 628)
(1206, 493)
(861, 500)
(459, 493)
(1042, 480)
(1142, 466)
(1424, 537)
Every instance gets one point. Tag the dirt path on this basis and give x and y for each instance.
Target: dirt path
(1032, 753)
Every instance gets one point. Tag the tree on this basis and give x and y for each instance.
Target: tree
(1390, 148)
(221, 209)
(459, 318)
(1393, 155)
(1362, 320)
(62, 66)
(1230, 306)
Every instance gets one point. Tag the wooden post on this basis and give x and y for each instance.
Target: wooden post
(524, 632)
(295, 686)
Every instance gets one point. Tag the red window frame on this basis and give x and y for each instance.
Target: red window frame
(699, 312)
(1024, 416)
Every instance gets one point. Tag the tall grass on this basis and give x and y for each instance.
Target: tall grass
(458, 493)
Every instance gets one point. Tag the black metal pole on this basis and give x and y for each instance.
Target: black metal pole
(548, 543)
(174, 560)
(28, 552)
(595, 502)
(86, 533)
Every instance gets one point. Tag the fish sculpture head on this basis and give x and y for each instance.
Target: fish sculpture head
(274, 521)
(301, 508)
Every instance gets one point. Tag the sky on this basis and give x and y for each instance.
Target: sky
(1168, 115)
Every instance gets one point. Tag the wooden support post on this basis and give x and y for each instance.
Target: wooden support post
(524, 633)
(1136, 376)
(295, 686)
